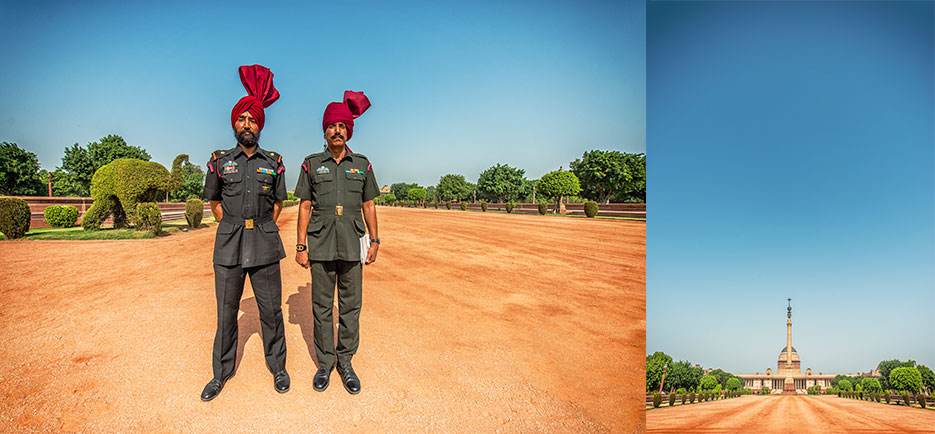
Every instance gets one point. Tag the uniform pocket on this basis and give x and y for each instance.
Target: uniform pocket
(355, 181)
(359, 226)
(315, 226)
(233, 184)
(264, 183)
(270, 226)
(225, 228)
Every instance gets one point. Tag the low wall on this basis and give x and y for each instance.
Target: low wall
(171, 211)
(628, 210)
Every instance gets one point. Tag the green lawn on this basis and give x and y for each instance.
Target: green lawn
(77, 233)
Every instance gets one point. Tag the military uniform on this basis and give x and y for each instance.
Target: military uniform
(247, 242)
(337, 190)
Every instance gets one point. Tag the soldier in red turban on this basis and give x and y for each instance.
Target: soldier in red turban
(340, 186)
(246, 189)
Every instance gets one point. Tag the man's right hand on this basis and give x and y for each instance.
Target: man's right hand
(302, 259)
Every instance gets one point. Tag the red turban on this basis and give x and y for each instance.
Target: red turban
(258, 80)
(354, 105)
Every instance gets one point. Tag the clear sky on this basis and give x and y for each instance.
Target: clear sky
(456, 87)
(791, 153)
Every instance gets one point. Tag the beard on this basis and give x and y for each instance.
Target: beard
(247, 138)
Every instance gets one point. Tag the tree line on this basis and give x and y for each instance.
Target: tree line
(601, 176)
(685, 376)
(20, 174)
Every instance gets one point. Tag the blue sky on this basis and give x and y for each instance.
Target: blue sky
(456, 87)
(791, 153)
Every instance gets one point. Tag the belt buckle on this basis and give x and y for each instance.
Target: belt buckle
(338, 210)
(248, 223)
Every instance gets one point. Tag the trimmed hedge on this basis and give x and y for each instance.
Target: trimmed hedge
(149, 218)
(195, 210)
(657, 400)
(483, 206)
(509, 207)
(14, 217)
(590, 208)
(672, 398)
(60, 216)
(134, 182)
(448, 204)
(543, 207)
(463, 206)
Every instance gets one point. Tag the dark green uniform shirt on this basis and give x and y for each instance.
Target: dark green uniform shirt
(247, 188)
(337, 190)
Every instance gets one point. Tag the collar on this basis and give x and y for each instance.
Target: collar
(348, 155)
(237, 151)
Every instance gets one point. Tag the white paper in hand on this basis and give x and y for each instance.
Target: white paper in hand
(364, 248)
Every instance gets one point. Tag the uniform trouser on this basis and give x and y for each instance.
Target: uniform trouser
(349, 279)
(267, 287)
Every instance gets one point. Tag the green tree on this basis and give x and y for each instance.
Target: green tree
(870, 385)
(501, 182)
(654, 367)
(602, 174)
(722, 376)
(557, 184)
(401, 189)
(193, 182)
(79, 164)
(887, 366)
(451, 187)
(19, 172)
(683, 375)
(905, 378)
(734, 383)
(928, 377)
(417, 194)
(708, 382)
(837, 379)
(431, 193)
(845, 385)
(389, 197)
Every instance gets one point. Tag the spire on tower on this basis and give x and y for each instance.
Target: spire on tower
(789, 309)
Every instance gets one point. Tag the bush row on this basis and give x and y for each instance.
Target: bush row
(591, 208)
(887, 397)
(690, 397)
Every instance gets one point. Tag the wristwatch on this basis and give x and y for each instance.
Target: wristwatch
(375, 240)
(301, 247)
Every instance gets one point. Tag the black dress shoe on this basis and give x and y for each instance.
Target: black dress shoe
(213, 388)
(349, 378)
(322, 378)
(281, 381)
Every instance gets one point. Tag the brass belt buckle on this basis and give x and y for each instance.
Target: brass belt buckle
(248, 223)
(338, 210)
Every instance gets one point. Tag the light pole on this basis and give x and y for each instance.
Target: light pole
(664, 368)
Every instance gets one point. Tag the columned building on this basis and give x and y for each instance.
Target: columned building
(788, 377)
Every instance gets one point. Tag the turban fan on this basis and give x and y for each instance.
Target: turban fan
(354, 105)
(258, 80)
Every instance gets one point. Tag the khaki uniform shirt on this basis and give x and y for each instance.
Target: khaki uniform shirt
(247, 187)
(337, 190)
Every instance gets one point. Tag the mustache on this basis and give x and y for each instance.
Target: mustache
(246, 130)
(336, 135)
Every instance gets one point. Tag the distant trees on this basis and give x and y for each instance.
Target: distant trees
(870, 385)
(654, 367)
(845, 385)
(451, 187)
(501, 182)
(401, 189)
(905, 378)
(417, 194)
(19, 172)
(734, 383)
(708, 382)
(928, 377)
(557, 184)
(73, 177)
(193, 182)
(887, 366)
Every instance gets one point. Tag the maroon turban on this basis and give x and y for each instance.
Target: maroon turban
(258, 80)
(354, 105)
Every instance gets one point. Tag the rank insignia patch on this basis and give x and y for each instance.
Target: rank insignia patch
(352, 171)
(321, 170)
(230, 167)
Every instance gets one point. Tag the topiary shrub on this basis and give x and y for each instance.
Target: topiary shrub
(657, 400)
(672, 398)
(920, 398)
(149, 218)
(60, 216)
(448, 204)
(463, 206)
(483, 206)
(590, 208)
(436, 204)
(691, 398)
(543, 207)
(118, 186)
(14, 217)
(195, 210)
(886, 396)
(509, 207)
(684, 397)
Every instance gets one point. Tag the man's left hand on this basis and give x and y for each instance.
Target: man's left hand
(372, 253)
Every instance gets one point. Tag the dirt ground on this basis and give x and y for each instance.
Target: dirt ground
(470, 322)
(790, 414)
